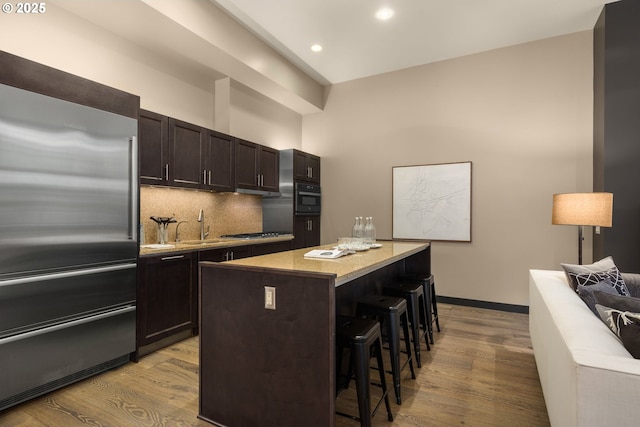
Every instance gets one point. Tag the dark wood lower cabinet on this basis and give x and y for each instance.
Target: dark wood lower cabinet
(306, 228)
(225, 254)
(167, 298)
(270, 248)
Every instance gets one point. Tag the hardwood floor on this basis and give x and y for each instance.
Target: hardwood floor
(480, 372)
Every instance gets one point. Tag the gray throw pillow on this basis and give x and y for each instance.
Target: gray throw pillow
(632, 281)
(618, 302)
(599, 271)
(586, 293)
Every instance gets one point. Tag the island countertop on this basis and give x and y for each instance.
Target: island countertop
(346, 268)
(268, 330)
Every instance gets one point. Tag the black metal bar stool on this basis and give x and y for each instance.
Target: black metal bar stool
(413, 293)
(429, 285)
(433, 315)
(363, 338)
(392, 312)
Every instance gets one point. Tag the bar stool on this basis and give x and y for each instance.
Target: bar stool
(413, 293)
(433, 315)
(363, 338)
(391, 311)
(429, 285)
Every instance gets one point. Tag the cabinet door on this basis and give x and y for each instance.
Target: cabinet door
(313, 234)
(167, 297)
(299, 165)
(306, 167)
(220, 162)
(313, 166)
(246, 165)
(270, 248)
(225, 254)
(306, 230)
(153, 140)
(213, 255)
(186, 143)
(269, 166)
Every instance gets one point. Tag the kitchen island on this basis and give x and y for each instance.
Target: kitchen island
(276, 366)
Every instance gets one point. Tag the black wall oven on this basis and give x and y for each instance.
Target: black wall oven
(307, 199)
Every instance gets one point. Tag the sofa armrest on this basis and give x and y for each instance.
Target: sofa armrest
(588, 378)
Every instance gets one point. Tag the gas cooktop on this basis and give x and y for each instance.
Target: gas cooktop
(261, 235)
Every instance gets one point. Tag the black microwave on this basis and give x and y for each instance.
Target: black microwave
(307, 199)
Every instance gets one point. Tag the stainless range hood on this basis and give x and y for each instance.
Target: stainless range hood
(259, 192)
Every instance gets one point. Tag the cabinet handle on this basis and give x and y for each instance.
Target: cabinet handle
(204, 176)
(167, 258)
(231, 255)
(166, 171)
(209, 177)
(309, 172)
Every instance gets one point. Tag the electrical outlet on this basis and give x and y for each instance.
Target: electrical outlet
(270, 297)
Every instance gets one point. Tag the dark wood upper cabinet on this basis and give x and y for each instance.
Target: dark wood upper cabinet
(269, 169)
(257, 167)
(153, 142)
(220, 162)
(246, 165)
(306, 167)
(186, 144)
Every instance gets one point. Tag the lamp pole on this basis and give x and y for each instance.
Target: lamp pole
(580, 238)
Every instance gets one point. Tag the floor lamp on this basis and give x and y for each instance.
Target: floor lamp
(595, 209)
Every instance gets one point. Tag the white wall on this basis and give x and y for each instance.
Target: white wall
(166, 84)
(522, 115)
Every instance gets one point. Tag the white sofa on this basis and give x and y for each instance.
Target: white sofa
(588, 378)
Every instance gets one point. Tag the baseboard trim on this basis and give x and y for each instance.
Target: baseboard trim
(512, 308)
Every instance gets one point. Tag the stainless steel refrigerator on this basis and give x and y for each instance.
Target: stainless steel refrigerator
(68, 242)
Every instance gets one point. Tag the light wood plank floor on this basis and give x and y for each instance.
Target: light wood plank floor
(480, 372)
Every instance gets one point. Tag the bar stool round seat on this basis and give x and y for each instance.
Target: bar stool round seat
(363, 339)
(392, 313)
(413, 293)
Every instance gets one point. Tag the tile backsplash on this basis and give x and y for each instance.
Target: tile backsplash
(224, 213)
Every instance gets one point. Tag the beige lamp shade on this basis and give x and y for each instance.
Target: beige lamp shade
(594, 209)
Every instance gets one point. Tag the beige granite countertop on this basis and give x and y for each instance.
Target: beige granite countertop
(345, 268)
(194, 245)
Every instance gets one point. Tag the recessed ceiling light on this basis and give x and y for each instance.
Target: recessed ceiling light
(316, 48)
(384, 13)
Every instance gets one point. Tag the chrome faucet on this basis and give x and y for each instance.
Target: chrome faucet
(178, 232)
(203, 235)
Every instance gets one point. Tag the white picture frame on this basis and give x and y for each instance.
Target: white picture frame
(432, 202)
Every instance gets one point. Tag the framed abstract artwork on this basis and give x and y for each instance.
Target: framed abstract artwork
(432, 202)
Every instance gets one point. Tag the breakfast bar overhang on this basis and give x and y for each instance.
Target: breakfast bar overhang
(276, 367)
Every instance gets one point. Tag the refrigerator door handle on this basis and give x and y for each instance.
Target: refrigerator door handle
(66, 325)
(133, 194)
(73, 273)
